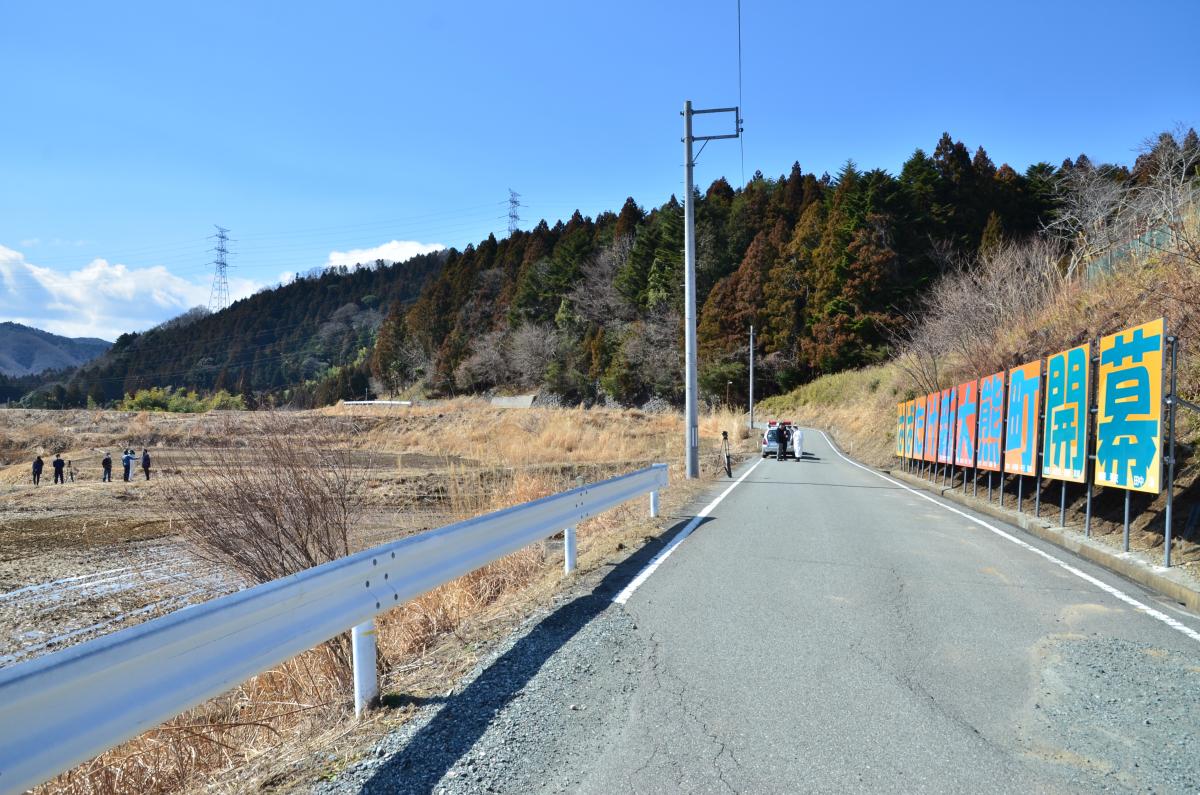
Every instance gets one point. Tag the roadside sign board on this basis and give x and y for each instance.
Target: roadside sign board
(964, 425)
(945, 454)
(1129, 401)
(991, 421)
(1021, 428)
(1064, 449)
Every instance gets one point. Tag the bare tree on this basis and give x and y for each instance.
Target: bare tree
(1170, 199)
(1104, 212)
(958, 318)
(275, 507)
(1093, 216)
(653, 350)
(486, 366)
(531, 349)
(595, 296)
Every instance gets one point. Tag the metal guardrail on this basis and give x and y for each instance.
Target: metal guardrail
(64, 708)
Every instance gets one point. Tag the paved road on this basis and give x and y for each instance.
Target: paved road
(825, 630)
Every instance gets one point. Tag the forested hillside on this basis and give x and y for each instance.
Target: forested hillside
(825, 268)
(295, 343)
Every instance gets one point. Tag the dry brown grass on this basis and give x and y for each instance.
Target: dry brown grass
(195, 749)
(255, 734)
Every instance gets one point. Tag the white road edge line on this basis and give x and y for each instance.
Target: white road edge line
(666, 551)
(1129, 600)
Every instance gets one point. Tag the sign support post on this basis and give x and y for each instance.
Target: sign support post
(1171, 401)
(1126, 520)
(1088, 458)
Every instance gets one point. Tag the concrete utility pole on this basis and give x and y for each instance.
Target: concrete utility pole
(752, 378)
(691, 410)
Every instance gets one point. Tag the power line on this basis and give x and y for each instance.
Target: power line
(218, 297)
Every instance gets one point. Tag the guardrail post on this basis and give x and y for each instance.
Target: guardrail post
(362, 651)
(569, 550)
(653, 504)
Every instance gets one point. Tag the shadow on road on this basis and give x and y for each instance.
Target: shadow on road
(803, 457)
(823, 485)
(453, 731)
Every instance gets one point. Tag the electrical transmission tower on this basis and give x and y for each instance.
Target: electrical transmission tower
(218, 298)
(514, 216)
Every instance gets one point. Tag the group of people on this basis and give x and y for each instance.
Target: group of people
(63, 469)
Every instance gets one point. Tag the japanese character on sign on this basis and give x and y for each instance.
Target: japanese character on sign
(991, 420)
(918, 439)
(1021, 430)
(931, 427)
(1064, 452)
(965, 424)
(945, 451)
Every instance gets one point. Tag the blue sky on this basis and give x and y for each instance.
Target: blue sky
(130, 129)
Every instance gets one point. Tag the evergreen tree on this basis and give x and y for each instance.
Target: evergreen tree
(993, 233)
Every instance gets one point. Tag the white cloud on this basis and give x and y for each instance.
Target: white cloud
(106, 299)
(394, 251)
(9, 262)
(101, 299)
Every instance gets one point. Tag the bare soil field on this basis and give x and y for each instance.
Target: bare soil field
(87, 558)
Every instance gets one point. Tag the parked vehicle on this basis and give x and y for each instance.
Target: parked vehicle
(769, 444)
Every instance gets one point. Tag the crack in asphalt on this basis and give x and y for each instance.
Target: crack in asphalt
(668, 683)
(905, 671)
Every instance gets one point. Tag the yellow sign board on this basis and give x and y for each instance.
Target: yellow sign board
(1129, 399)
(1064, 443)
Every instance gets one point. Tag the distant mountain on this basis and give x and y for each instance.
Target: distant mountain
(25, 350)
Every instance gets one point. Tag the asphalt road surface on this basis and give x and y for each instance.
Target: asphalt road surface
(825, 629)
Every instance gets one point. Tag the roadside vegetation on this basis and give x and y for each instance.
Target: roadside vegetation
(182, 401)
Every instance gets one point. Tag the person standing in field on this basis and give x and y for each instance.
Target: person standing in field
(126, 463)
(146, 462)
(70, 471)
(38, 465)
(106, 465)
(58, 465)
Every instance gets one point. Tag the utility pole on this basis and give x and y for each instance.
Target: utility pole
(691, 408)
(218, 297)
(514, 215)
(752, 378)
